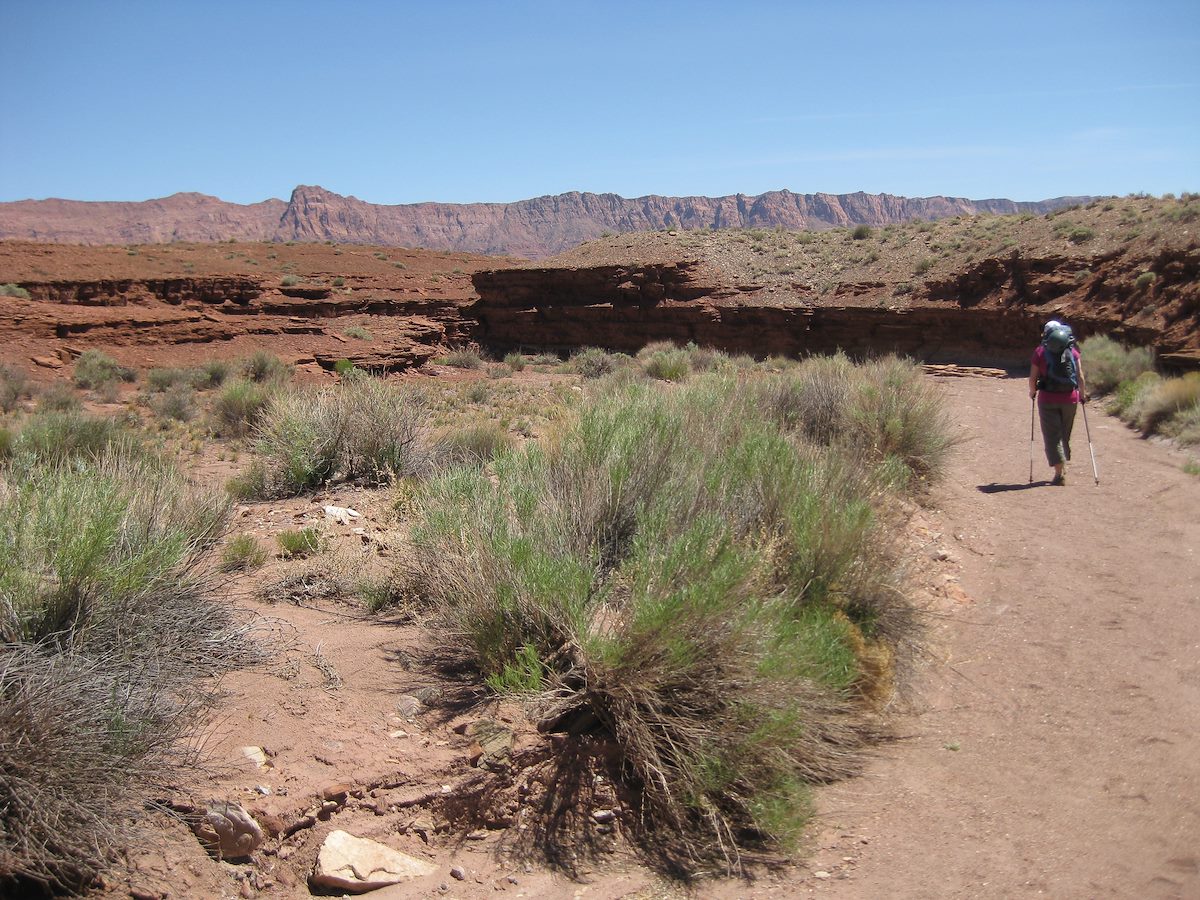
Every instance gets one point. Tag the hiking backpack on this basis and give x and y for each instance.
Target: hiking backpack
(1061, 376)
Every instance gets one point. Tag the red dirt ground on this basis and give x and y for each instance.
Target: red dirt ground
(1049, 747)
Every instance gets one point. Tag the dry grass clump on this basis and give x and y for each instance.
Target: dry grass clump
(263, 367)
(360, 428)
(472, 445)
(463, 358)
(55, 438)
(665, 361)
(107, 638)
(238, 407)
(1107, 363)
(685, 575)
(14, 387)
(1157, 408)
(95, 370)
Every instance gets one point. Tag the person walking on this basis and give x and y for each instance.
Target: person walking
(1056, 382)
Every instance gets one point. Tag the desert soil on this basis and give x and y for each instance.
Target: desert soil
(1049, 745)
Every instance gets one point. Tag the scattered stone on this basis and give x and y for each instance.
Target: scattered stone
(493, 745)
(229, 830)
(262, 789)
(479, 834)
(357, 864)
(822, 875)
(398, 733)
(458, 873)
(47, 362)
(258, 756)
(423, 827)
(338, 791)
(408, 706)
(604, 815)
(343, 515)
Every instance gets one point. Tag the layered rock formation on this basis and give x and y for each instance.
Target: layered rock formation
(531, 228)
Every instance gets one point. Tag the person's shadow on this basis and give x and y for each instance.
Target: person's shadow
(995, 488)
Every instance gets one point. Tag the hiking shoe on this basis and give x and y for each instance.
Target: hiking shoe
(1059, 480)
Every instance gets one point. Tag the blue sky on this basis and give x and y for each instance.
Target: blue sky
(499, 101)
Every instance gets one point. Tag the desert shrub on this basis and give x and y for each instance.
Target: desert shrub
(54, 438)
(248, 485)
(177, 402)
(714, 595)
(211, 374)
(95, 369)
(358, 332)
(861, 232)
(299, 438)
(300, 542)
(674, 364)
(463, 358)
(514, 361)
(242, 554)
(474, 445)
(1185, 427)
(110, 640)
(1080, 234)
(14, 387)
(344, 367)
(238, 407)
(384, 430)
(1143, 281)
(58, 397)
(1127, 394)
(923, 265)
(592, 362)
(814, 399)
(1155, 408)
(544, 359)
(289, 281)
(262, 366)
(897, 414)
(13, 290)
(704, 359)
(360, 428)
(7, 438)
(1108, 363)
(339, 281)
(160, 380)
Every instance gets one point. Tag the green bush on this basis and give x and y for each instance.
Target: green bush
(592, 362)
(262, 366)
(344, 367)
(1156, 407)
(463, 358)
(14, 387)
(95, 369)
(923, 265)
(54, 438)
(239, 406)
(1143, 281)
(110, 640)
(177, 402)
(861, 232)
(160, 380)
(714, 594)
(300, 543)
(1107, 363)
(515, 361)
(474, 445)
(289, 281)
(58, 397)
(1126, 396)
(673, 364)
(358, 332)
(360, 428)
(13, 290)
(242, 554)
(211, 374)
(1080, 234)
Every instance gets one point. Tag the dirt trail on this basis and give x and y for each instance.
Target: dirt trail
(1055, 749)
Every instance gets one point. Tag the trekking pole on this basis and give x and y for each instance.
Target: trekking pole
(1032, 410)
(1095, 472)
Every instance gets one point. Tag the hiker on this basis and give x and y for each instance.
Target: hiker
(1056, 380)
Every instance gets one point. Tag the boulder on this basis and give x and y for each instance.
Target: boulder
(228, 830)
(350, 863)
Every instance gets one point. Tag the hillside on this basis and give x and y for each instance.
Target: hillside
(534, 228)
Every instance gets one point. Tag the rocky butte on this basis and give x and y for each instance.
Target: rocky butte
(534, 228)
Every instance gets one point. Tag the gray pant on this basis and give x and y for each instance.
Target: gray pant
(1057, 420)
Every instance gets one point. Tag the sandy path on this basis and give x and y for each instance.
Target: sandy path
(1070, 686)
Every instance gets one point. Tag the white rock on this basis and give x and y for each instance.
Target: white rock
(258, 756)
(350, 863)
(342, 514)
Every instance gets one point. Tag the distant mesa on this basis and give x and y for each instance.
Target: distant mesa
(534, 228)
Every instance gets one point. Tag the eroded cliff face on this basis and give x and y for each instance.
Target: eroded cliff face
(534, 228)
(989, 314)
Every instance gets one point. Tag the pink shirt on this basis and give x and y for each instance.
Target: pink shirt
(1039, 363)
